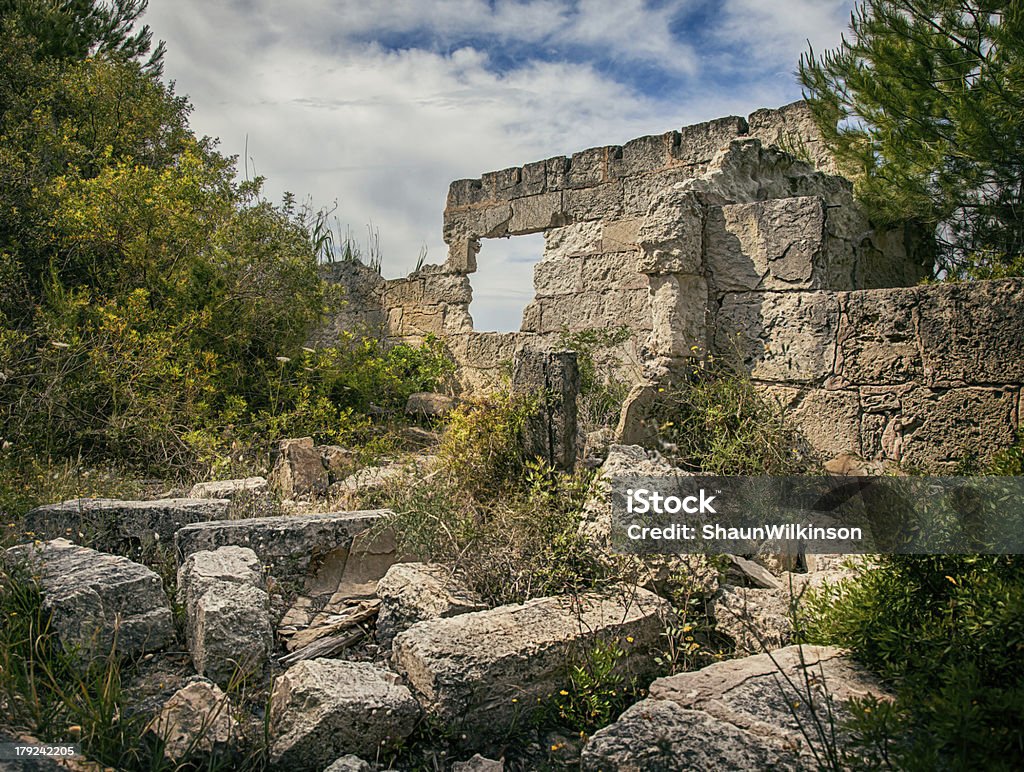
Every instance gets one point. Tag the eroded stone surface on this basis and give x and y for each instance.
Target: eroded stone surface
(323, 708)
(195, 722)
(413, 592)
(96, 599)
(474, 672)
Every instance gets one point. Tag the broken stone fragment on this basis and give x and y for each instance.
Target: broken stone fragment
(324, 708)
(299, 471)
(98, 600)
(228, 613)
(413, 592)
(429, 404)
(229, 489)
(195, 722)
(349, 763)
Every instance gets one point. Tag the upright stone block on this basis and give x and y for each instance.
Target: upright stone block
(553, 376)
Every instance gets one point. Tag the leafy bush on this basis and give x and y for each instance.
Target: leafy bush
(950, 631)
(602, 388)
(716, 422)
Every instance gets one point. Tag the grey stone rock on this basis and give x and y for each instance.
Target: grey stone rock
(121, 527)
(475, 672)
(479, 763)
(196, 722)
(286, 545)
(96, 599)
(750, 713)
(229, 489)
(299, 471)
(755, 619)
(429, 404)
(349, 763)
(228, 612)
(757, 575)
(324, 708)
(413, 592)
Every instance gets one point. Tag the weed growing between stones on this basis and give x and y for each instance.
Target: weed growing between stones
(715, 421)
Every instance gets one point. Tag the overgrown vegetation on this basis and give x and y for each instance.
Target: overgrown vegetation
(716, 422)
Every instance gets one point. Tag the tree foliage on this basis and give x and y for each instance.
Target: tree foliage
(922, 105)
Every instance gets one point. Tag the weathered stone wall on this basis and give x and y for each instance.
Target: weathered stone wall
(921, 375)
(718, 238)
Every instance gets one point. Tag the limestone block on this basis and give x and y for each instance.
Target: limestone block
(486, 221)
(737, 714)
(491, 348)
(621, 235)
(828, 419)
(940, 427)
(889, 258)
(672, 235)
(229, 489)
(474, 672)
(531, 317)
(536, 213)
(463, 193)
(429, 404)
(299, 471)
(456, 319)
(287, 544)
(195, 721)
(227, 611)
(641, 156)
(462, 252)
(630, 307)
(95, 599)
(639, 192)
(780, 336)
(773, 245)
(753, 618)
(698, 144)
(793, 128)
(587, 168)
(324, 708)
(612, 271)
(413, 592)
(582, 238)
(406, 291)
(121, 527)
(601, 202)
(556, 172)
(558, 277)
(678, 314)
(349, 763)
(453, 289)
(878, 341)
(582, 311)
(971, 332)
(423, 320)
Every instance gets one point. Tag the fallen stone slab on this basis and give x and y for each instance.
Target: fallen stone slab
(195, 722)
(121, 527)
(324, 708)
(227, 611)
(286, 544)
(230, 489)
(299, 471)
(413, 592)
(476, 672)
(96, 599)
(751, 713)
(754, 573)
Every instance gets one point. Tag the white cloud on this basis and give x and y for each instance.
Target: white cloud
(330, 113)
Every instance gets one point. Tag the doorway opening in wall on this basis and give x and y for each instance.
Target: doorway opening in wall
(503, 282)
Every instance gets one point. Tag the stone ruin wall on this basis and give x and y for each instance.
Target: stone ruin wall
(716, 238)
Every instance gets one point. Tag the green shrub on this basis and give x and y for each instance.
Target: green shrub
(602, 387)
(717, 422)
(949, 631)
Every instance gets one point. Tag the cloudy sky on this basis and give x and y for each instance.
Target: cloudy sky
(378, 105)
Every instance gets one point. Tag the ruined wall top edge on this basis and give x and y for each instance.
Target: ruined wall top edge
(790, 126)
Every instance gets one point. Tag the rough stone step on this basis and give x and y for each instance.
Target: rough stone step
(750, 713)
(95, 598)
(477, 673)
(121, 527)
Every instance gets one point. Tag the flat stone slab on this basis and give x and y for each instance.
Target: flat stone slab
(286, 544)
(121, 527)
(324, 708)
(230, 489)
(95, 598)
(751, 713)
(477, 672)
